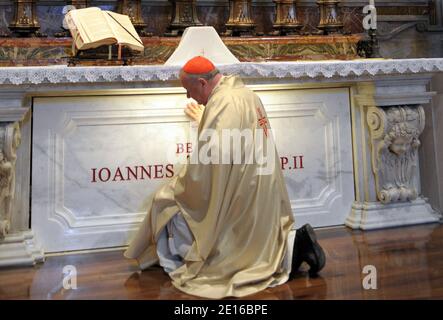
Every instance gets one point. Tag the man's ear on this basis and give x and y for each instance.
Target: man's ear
(202, 81)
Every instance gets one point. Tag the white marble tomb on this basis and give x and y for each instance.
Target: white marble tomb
(96, 159)
(348, 134)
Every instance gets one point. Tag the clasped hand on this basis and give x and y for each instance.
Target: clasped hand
(194, 111)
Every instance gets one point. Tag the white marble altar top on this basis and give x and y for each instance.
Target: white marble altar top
(60, 74)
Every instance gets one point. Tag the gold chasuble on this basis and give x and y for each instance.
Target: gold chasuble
(240, 218)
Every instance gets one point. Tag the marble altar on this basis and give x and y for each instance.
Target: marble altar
(352, 132)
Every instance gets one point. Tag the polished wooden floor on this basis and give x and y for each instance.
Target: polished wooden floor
(408, 261)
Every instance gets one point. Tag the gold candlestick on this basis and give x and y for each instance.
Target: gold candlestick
(330, 17)
(240, 21)
(25, 21)
(184, 15)
(286, 22)
(78, 4)
(71, 4)
(132, 8)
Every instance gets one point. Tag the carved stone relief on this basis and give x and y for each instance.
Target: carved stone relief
(9, 142)
(395, 141)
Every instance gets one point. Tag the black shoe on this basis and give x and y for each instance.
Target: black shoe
(306, 248)
(297, 257)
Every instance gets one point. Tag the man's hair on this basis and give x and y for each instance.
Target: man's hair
(207, 76)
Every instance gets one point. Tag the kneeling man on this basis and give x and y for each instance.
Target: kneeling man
(224, 229)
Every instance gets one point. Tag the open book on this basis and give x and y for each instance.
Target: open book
(93, 27)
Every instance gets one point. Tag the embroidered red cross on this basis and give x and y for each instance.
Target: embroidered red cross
(262, 121)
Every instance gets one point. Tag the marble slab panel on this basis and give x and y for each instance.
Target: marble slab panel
(96, 159)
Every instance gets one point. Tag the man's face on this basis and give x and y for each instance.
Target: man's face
(195, 88)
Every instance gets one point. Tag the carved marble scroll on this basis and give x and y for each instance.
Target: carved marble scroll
(9, 142)
(395, 140)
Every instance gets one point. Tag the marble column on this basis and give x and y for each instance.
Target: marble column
(387, 120)
(431, 155)
(17, 243)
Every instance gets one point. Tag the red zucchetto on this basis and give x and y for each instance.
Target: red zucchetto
(198, 65)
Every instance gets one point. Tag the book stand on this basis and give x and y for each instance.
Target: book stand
(106, 55)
